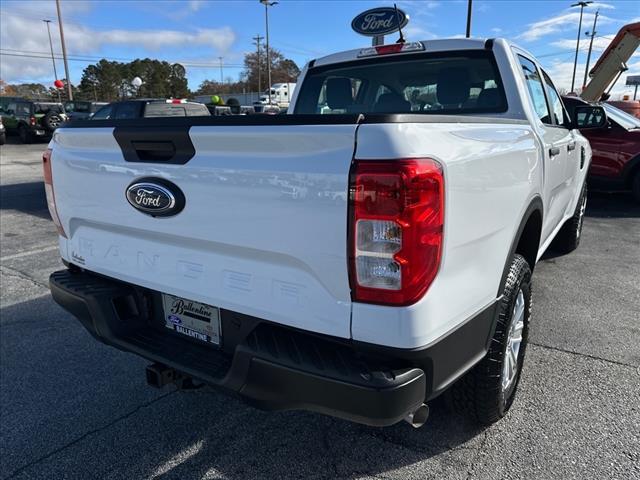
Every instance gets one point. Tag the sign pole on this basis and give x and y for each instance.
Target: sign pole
(378, 40)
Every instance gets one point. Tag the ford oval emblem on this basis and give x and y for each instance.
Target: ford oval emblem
(156, 197)
(379, 21)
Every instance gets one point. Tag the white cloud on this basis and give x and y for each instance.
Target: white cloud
(82, 40)
(602, 6)
(496, 30)
(195, 5)
(559, 23)
(599, 44)
(562, 71)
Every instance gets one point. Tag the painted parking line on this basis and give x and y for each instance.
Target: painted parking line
(28, 253)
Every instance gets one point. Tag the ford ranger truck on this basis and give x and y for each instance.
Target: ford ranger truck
(458, 168)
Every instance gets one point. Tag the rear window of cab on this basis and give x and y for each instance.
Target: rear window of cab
(443, 83)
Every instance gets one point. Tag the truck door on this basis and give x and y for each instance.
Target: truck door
(573, 165)
(555, 143)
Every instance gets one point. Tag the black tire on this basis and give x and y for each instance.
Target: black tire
(3, 138)
(51, 121)
(568, 238)
(24, 134)
(481, 394)
(635, 185)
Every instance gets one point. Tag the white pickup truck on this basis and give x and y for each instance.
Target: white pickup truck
(458, 167)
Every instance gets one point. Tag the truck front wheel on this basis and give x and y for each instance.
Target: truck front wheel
(488, 390)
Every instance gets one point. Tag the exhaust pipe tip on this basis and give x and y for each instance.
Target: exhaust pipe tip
(418, 417)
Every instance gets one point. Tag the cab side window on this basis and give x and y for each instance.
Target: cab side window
(104, 113)
(557, 107)
(536, 89)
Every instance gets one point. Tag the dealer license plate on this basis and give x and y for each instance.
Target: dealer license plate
(193, 319)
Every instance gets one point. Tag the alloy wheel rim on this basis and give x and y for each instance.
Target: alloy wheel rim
(583, 208)
(514, 342)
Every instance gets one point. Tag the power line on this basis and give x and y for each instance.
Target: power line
(75, 58)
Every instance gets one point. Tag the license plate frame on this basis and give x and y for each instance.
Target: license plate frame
(192, 319)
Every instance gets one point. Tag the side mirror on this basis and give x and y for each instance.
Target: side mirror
(589, 116)
(10, 112)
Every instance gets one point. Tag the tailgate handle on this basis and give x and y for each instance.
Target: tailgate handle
(154, 142)
(154, 151)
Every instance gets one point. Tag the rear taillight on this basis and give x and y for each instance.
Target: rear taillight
(48, 188)
(396, 227)
(32, 121)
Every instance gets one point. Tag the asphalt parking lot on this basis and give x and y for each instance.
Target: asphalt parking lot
(71, 407)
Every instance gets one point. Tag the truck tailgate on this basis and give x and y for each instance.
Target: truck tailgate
(263, 230)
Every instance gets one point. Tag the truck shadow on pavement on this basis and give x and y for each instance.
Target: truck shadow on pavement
(79, 409)
(612, 205)
(28, 198)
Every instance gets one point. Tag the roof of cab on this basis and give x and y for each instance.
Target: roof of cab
(443, 44)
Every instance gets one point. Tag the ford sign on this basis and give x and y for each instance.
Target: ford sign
(156, 197)
(379, 21)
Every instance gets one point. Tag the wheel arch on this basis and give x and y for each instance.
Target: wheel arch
(526, 241)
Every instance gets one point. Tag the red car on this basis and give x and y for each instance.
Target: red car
(616, 149)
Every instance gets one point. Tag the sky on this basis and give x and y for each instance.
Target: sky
(202, 34)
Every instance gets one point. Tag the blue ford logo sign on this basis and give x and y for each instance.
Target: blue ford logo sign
(379, 21)
(156, 197)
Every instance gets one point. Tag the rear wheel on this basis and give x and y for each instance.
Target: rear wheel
(24, 134)
(487, 392)
(568, 237)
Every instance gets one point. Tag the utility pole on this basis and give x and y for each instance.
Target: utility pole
(469, 19)
(221, 80)
(257, 40)
(268, 4)
(53, 60)
(64, 51)
(575, 61)
(591, 34)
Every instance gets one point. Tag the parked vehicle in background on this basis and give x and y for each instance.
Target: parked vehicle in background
(3, 133)
(281, 94)
(81, 110)
(150, 107)
(461, 167)
(616, 149)
(31, 120)
(632, 107)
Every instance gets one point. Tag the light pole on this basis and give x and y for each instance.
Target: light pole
(221, 81)
(268, 4)
(592, 34)
(575, 61)
(64, 51)
(469, 6)
(53, 60)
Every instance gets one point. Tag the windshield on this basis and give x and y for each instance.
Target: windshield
(440, 83)
(620, 117)
(77, 107)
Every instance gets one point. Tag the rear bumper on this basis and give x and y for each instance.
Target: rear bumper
(273, 367)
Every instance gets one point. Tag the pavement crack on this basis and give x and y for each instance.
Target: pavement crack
(14, 272)
(87, 434)
(586, 355)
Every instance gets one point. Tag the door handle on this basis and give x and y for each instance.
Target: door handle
(571, 146)
(553, 151)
